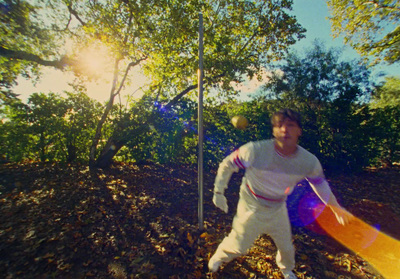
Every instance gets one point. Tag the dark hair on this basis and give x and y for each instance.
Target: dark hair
(284, 114)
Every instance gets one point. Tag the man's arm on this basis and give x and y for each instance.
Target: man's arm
(324, 192)
(239, 159)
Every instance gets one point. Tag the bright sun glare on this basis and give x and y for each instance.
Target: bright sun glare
(95, 61)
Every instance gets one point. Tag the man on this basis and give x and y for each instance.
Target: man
(272, 170)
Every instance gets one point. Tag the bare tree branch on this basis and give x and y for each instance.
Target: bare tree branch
(130, 65)
(187, 90)
(23, 55)
(75, 14)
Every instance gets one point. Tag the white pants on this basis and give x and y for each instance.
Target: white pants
(252, 220)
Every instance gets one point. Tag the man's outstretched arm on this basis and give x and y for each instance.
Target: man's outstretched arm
(321, 187)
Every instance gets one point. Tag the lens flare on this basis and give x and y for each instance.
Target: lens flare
(303, 213)
(380, 250)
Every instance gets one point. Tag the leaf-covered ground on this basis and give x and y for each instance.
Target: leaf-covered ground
(141, 221)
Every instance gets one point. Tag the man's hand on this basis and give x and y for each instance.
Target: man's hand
(342, 215)
(220, 201)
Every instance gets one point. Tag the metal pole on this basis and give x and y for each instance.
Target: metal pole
(200, 124)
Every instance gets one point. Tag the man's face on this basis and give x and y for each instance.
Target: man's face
(286, 131)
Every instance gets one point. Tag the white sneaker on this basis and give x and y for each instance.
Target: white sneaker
(214, 264)
(287, 274)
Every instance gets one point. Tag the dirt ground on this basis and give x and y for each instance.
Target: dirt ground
(141, 221)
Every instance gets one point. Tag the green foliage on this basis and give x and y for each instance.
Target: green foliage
(15, 143)
(387, 94)
(49, 128)
(221, 138)
(385, 115)
(160, 36)
(328, 92)
(239, 37)
(79, 125)
(385, 140)
(339, 125)
(169, 135)
(45, 116)
(371, 27)
(23, 38)
(172, 136)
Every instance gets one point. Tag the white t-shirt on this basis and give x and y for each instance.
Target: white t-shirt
(270, 177)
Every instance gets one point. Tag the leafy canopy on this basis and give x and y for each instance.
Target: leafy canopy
(327, 91)
(387, 94)
(162, 36)
(159, 37)
(319, 76)
(370, 27)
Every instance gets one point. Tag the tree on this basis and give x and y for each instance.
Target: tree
(15, 141)
(385, 115)
(79, 125)
(240, 36)
(25, 44)
(387, 94)
(49, 128)
(385, 137)
(370, 27)
(161, 38)
(33, 131)
(328, 92)
(45, 117)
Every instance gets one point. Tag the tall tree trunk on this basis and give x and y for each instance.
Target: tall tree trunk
(96, 139)
(113, 94)
(115, 143)
(112, 147)
(71, 153)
